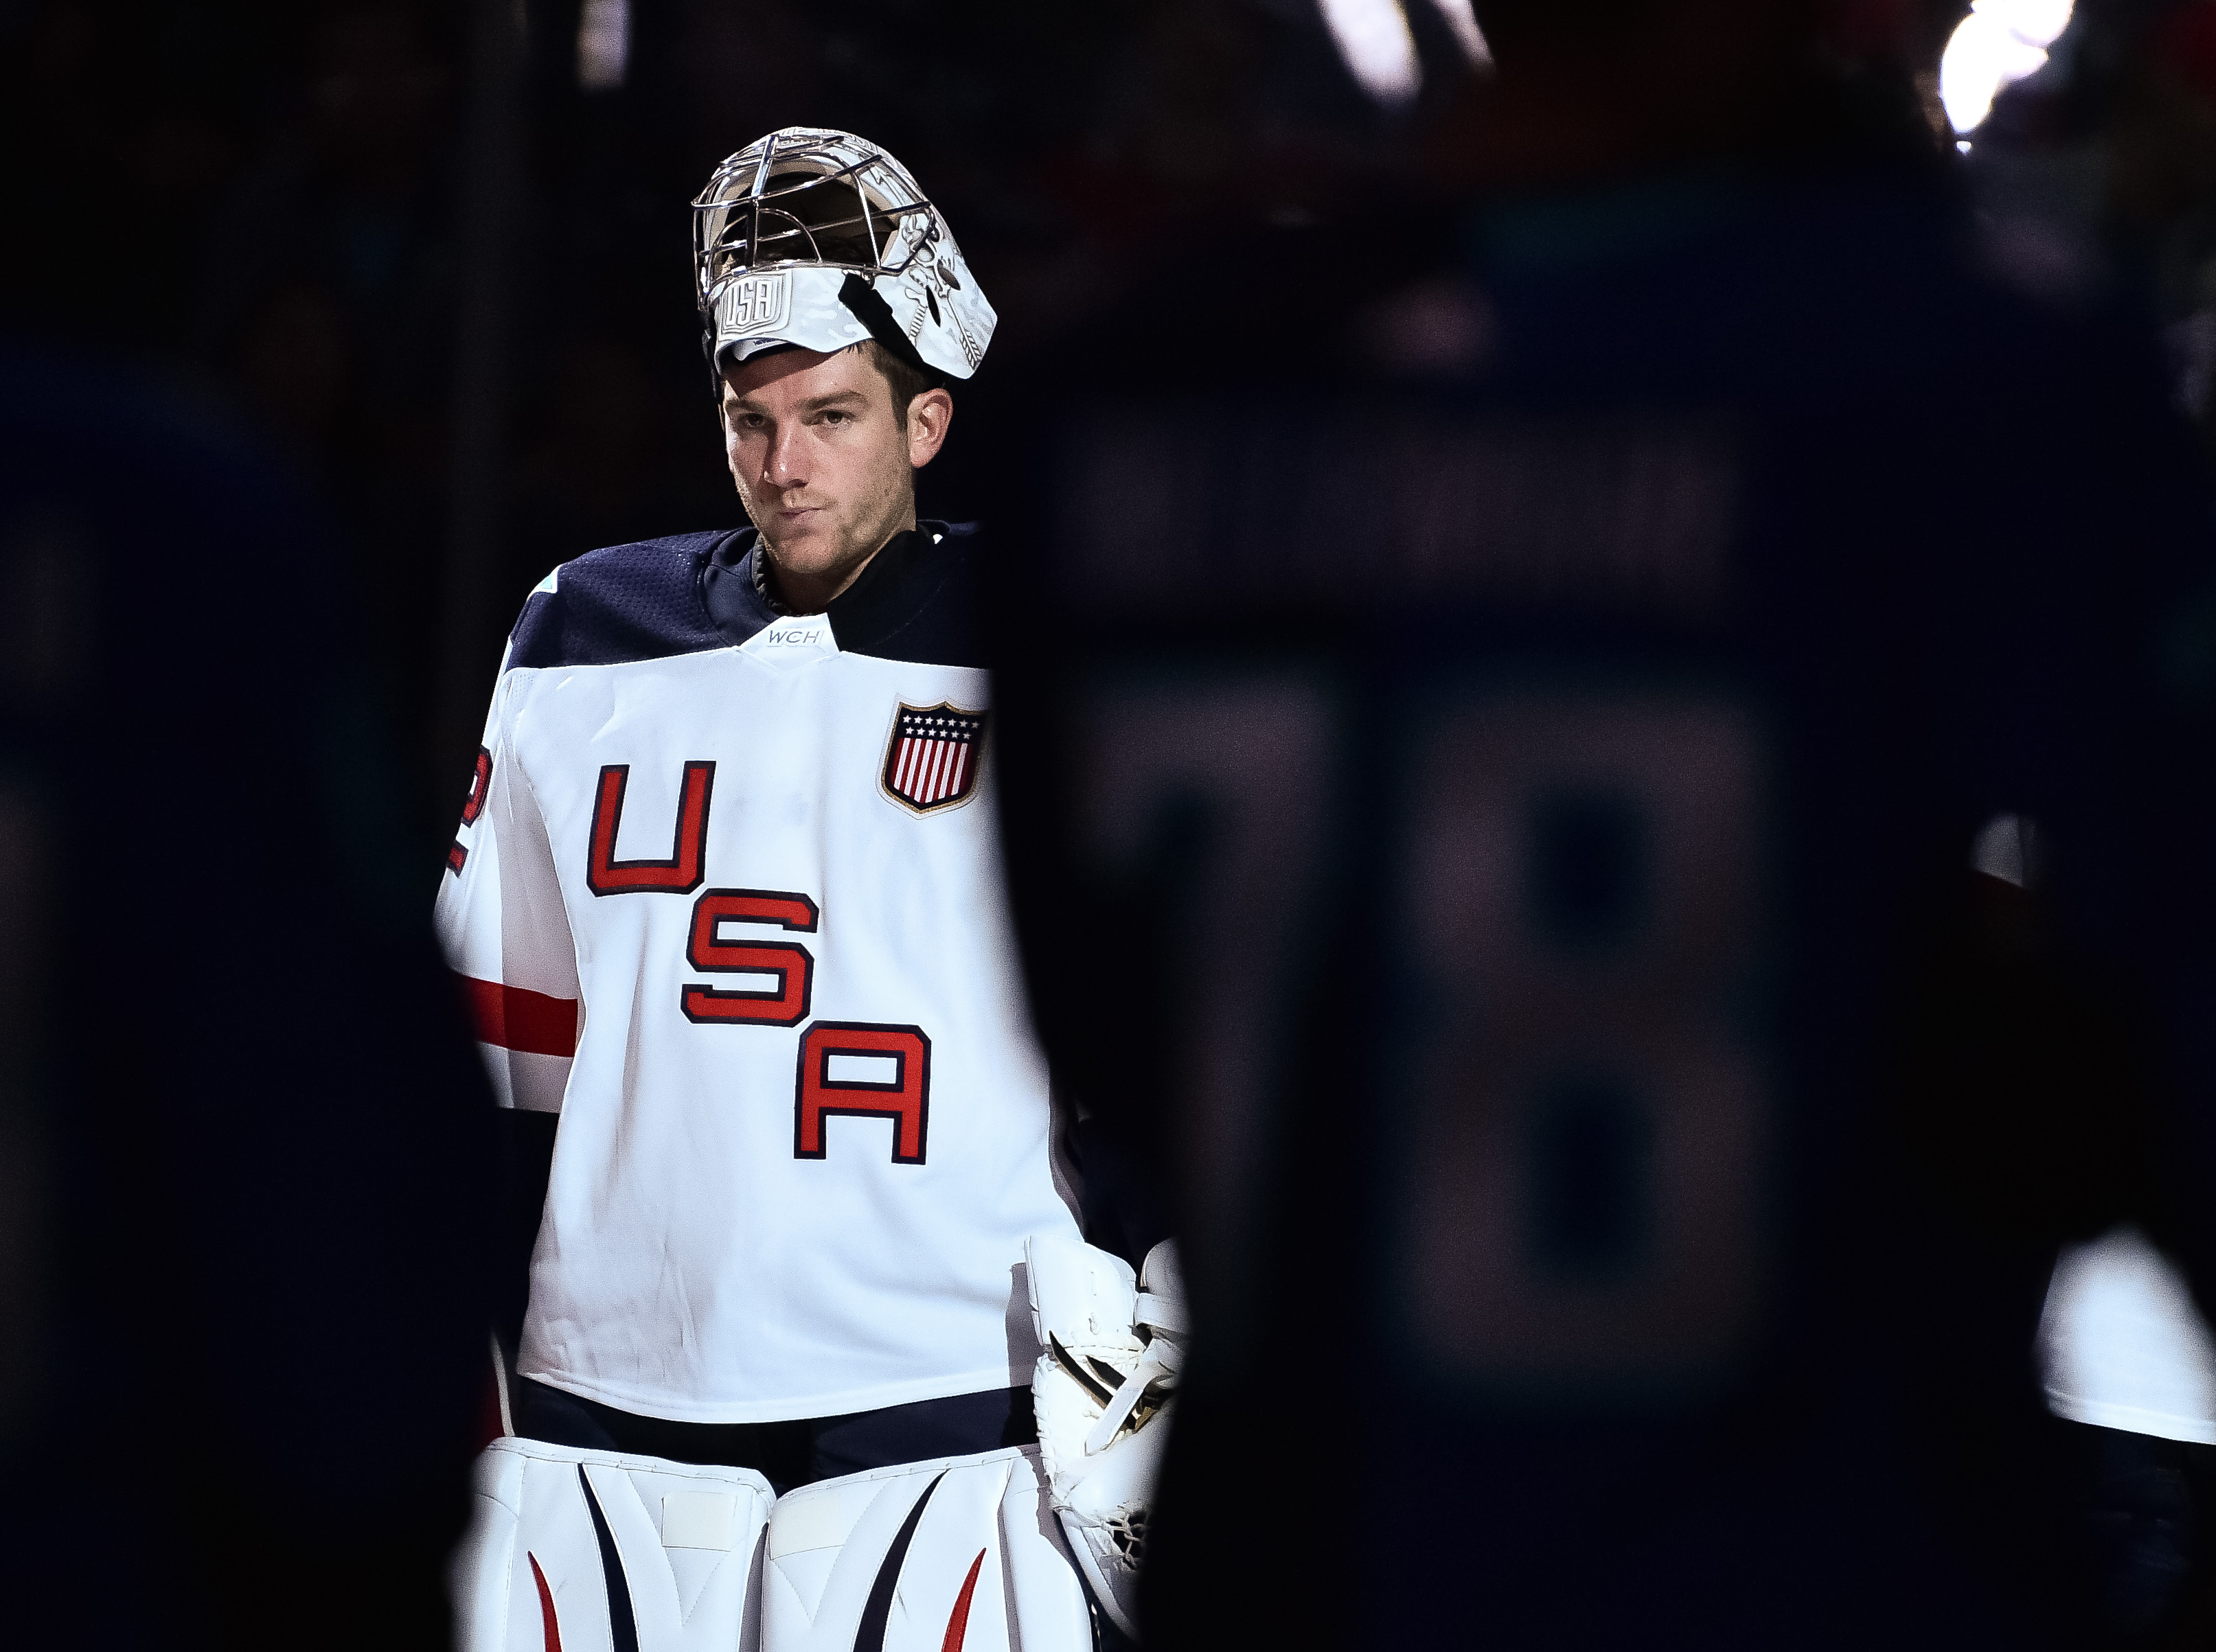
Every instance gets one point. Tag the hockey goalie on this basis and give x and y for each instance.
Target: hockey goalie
(813, 1352)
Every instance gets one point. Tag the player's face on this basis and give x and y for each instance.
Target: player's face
(826, 462)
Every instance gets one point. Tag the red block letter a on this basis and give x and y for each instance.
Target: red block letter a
(895, 1084)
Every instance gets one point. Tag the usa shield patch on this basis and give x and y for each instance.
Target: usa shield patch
(931, 761)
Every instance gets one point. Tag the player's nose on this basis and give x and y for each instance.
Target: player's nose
(782, 464)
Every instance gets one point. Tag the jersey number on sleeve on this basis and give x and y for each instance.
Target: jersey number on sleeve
(480, 789)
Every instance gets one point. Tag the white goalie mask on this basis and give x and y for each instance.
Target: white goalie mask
(820, 239)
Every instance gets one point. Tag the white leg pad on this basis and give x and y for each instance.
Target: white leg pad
(959, 1555)
(674, 1546)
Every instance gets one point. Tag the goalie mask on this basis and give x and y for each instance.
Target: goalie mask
(820, 239)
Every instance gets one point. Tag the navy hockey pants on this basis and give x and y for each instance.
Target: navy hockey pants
(786, 1455)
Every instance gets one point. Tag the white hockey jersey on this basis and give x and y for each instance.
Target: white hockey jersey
(727, 895)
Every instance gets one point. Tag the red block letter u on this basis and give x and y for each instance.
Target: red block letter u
(678, 876)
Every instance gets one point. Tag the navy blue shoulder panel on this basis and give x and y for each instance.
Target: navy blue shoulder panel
(624, 603)
(920, 600)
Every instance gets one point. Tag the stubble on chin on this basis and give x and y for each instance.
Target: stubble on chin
(810, 551)
(810, 568)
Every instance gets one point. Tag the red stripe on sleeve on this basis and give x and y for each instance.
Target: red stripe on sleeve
(518, 1020)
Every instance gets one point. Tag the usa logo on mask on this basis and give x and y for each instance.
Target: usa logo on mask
(754, 303)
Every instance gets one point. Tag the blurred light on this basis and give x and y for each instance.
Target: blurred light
(1373, 42)
(603, 44)
(1468, 35)
(1999, 43)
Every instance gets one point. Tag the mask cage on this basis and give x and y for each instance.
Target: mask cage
(806, 207)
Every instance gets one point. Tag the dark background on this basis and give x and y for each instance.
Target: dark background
(438, 292)
(456, 286)
(453, 285)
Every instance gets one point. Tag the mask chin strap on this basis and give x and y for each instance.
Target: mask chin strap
(870, 308)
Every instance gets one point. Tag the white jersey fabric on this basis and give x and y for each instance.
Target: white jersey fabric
(728, 896)
(2122, 1345)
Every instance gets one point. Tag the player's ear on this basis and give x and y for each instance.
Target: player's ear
(928, 416)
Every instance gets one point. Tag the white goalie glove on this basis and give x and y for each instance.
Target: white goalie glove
(1106, 1378)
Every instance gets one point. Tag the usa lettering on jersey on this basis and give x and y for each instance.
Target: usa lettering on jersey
(727, 915)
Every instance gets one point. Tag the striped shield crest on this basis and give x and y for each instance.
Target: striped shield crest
(931, 761)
